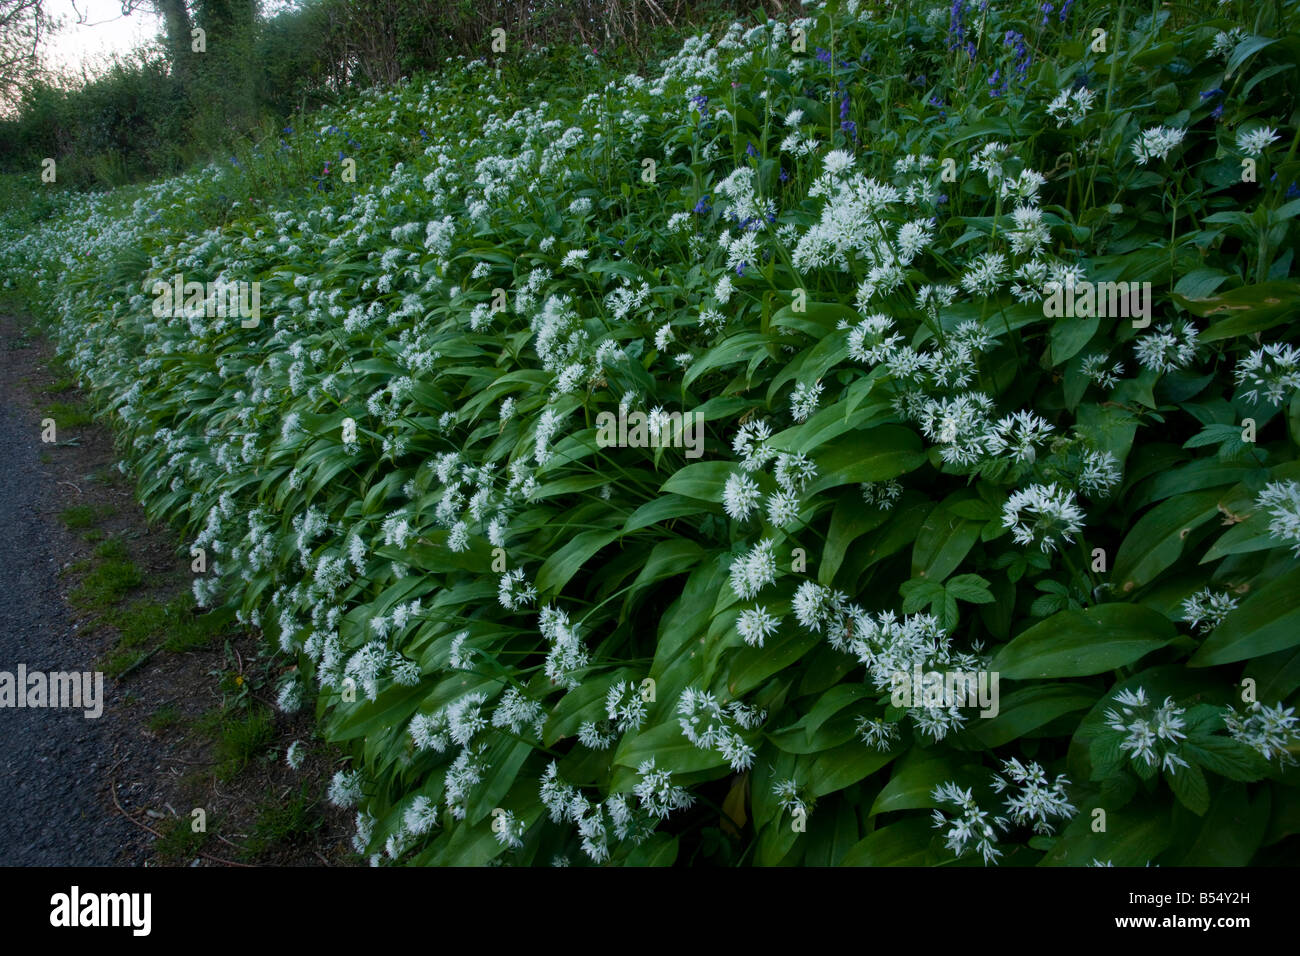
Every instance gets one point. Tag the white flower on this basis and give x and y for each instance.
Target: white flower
(1151, 737)
(739, 496)
(1281, 499)
(1099, 473)
(294, 756)
(1042, 513)
(755, 625)
(1270, 731)
(1032, 799)
(1253, 142)
(750, 444)
(656, 792)
(345, 788)
(1071, 106)
(1167, 349)
(1206, 610)
(971, 827)
(804, 399)
(753, 571)
(1156, 143)
(1272, 372)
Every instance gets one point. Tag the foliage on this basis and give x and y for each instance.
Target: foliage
(543, 648)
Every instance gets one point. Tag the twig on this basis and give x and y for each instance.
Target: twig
(144, 826)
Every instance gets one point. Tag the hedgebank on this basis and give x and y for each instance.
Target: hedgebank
(828, 244)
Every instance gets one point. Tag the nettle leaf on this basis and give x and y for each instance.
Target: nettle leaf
(1189, 786)
(1226, 757)
(1079, 643)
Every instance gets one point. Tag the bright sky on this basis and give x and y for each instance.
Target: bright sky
(93, 30)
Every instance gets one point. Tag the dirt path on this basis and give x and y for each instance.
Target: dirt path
(52, 761)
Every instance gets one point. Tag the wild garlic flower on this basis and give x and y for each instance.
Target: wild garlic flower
(1157, 143)
(1225, 43)
(794, 471)
(346, 788)
(877, 733)
(787, 795)
(1254, 142)
(1099, 473)
(1043, 514)
(816, 606)
(871, 340)
(293, 756)
(750, 444)
(740, 496)
(1016, 435)
(753, 571)
(755, 625)
(1167, 349)
(1281, 501)
(568, 656)
(421, 816)
(1206, 610)
(513, 591)
(1272, 372)
(656, 792)
(1031, 798)
(972, 828)
(881, 494)
(1094, 367)
(710, 726)
(625, 706)
(508, 829)
(1270, 731)
(804, 400)
(516, 711)
(1152, 735)
(1071, 106)
(782, 509)
(984, 274)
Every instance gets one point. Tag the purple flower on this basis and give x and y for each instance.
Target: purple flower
(1217, 111)
(1047, 9)
(750, 150)
(824, 55)
(1214, 92)
(851, 128)
(1065, 9)
(784, 175)
(702, 207)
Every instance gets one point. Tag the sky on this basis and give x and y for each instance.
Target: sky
(93, 30)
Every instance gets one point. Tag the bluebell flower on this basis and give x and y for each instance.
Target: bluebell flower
(1047, 9)
(784, 177)
(824, 55)
(750, 150)
(1214, 92)
(1065, 9)
(1218, 111)
(1292, 191)
(702, 207)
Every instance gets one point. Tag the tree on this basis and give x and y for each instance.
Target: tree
(23, 25)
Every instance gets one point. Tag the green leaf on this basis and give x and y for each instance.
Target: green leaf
(703, 480)
(877, 454)
(1156, 541)
(1267, 621)
(1225, 756)
(905, 843)
(1080, 643)
(1189, 786)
